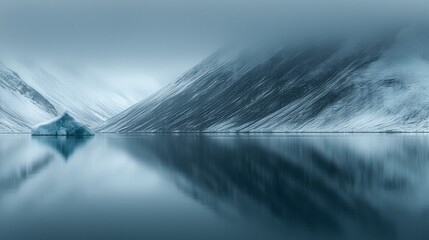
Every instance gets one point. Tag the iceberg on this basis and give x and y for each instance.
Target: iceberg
(64, 125)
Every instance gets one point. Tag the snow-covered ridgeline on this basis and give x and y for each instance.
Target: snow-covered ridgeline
(370, 85)
(21, 106)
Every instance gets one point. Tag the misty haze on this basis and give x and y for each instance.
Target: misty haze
(228, 119)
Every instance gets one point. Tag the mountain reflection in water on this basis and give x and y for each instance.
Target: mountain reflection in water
(299, 186)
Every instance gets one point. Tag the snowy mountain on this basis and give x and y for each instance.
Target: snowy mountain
(89, 102)
(21, 106)
(368, 84)
(31, 94)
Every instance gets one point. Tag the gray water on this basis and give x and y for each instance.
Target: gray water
(338, 186)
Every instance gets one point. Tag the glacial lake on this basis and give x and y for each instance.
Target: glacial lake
(215, 186)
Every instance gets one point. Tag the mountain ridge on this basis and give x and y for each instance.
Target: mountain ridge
(21, 106)
(370, 86)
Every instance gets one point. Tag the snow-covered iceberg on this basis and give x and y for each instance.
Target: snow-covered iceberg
(64, 125)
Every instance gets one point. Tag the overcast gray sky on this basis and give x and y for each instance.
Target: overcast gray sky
(145, 44)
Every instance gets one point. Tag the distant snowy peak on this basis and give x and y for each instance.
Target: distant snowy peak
(360, 84)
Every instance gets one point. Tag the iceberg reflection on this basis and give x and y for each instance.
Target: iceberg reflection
(65, 145)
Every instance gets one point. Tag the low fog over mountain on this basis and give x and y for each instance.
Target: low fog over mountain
(377, 83)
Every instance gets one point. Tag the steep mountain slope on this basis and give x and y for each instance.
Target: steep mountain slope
(21, 106)
(367, 85)
(218, 71)
(85, 100)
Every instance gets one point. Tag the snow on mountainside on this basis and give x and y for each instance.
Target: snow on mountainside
(21, 106)
(366, 85)
(89, 102)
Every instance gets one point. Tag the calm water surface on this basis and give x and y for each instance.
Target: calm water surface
(364, 186)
